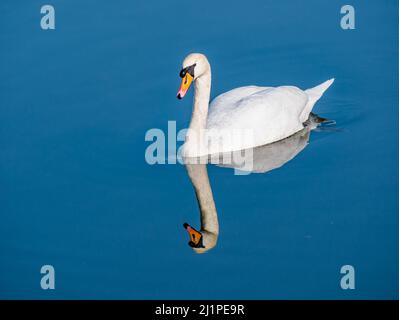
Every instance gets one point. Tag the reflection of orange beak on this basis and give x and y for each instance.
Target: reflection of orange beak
(185, 84)
(195, 236)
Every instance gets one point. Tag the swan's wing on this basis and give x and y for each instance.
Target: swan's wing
(271, 113)
(231, 97)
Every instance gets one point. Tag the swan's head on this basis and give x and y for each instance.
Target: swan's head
(194, 66)
(200, 241)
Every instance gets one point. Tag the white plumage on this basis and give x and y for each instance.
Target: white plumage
(244, 117)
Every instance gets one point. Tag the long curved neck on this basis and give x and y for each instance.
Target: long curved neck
(199, 177)
(201, 102)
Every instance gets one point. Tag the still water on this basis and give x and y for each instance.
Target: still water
(77, 193)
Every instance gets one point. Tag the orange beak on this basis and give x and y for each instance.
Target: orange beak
(185, 85)
(195, 236)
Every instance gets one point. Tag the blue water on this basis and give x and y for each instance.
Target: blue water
(77, 193)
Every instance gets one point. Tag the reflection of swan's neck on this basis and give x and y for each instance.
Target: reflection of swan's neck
(209, 219)
(201, 102)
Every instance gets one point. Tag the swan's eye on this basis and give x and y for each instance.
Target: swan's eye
(189, 70)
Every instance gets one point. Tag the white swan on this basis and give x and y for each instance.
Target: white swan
(244, 117)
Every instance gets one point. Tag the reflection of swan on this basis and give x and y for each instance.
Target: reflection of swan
(205, 239)
(264, 159)
(269, 114)
(268, 157)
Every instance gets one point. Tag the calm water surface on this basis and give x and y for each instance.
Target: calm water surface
(76, 192)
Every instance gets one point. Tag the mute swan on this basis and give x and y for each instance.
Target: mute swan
(244, 117)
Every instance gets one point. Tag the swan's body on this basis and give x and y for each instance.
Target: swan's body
(273, 113)
(244, 117)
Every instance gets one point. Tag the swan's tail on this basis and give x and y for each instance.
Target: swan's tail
(314, 94)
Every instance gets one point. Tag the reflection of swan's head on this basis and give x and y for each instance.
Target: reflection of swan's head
(200, 241)
(194, 66)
